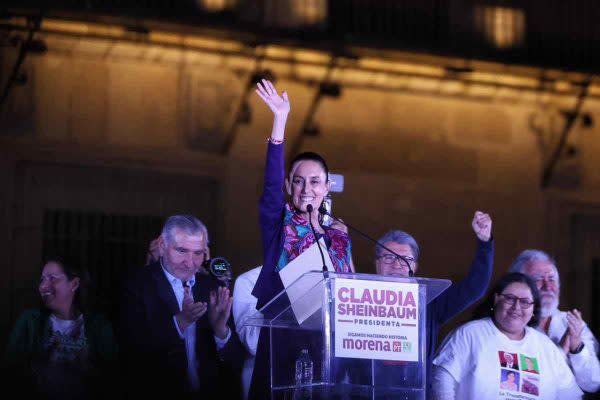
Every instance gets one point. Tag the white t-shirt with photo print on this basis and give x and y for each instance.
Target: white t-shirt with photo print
(473, 356)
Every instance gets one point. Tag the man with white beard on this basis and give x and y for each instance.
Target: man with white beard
(566, 329)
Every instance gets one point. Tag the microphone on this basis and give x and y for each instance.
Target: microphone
(324, 211)
(220, 269)
(309, 208)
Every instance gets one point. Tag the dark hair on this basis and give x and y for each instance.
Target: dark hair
(399, 237)
(80, 300)
(309, 155)
(487, 307)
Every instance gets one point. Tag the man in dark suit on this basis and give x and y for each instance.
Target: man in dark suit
(178, 334)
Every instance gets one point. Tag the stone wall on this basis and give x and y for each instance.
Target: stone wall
(419, 152)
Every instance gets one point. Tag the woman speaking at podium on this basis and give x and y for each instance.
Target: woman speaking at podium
(285, 224)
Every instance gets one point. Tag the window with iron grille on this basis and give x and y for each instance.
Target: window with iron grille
(106, 246)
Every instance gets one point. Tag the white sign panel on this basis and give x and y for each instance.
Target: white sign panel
(376, 320)
(303, 303)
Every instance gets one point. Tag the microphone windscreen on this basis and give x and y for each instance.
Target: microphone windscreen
(309, 208)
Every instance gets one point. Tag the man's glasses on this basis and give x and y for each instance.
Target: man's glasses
(402, 260)
(511, 300)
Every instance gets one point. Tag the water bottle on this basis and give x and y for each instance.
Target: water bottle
(304, 369)
(304, 376)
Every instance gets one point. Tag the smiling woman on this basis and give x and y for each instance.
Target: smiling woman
(61, 350)
(286, 224)
(511, 319)
(485, 358)
(308, 183)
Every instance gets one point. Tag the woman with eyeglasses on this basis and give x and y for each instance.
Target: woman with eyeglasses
(471, 363)
(61, 350)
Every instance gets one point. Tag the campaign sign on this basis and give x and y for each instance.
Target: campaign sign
(376, 320)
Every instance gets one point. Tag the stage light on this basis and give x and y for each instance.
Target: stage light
(216, 5)
(312, 12)
(502, 27)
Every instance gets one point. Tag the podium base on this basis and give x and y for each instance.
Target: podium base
(346, 392)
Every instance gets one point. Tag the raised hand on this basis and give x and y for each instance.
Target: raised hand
(219, 311)
(280, 105)
(482, 226)
(190, 311)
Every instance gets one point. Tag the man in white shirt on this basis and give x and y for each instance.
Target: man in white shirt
(178, 337)
(244, 305)
(566, 329)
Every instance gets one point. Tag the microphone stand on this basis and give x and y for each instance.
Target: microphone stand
(323, 211)
(309, 208)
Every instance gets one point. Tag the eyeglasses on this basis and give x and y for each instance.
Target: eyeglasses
(511, 300)
(391, 258)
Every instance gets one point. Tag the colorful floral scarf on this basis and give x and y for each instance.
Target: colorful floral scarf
(299, 237)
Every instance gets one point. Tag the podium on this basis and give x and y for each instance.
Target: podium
(365, 335)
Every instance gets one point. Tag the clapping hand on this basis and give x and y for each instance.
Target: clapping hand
(219, 311)
(190, 311)
(571, 340)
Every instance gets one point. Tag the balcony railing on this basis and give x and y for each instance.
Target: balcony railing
(549, 33)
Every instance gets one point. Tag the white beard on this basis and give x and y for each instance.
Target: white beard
(549, 309)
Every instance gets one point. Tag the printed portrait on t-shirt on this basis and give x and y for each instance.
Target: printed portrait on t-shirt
(509, 380)
(530, 384)
(529, 364)
(508, 360)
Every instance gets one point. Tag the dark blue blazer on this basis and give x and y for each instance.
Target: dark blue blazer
(155, 355)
